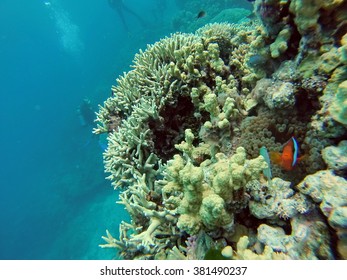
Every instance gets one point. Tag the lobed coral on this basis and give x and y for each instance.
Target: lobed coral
(212, 192)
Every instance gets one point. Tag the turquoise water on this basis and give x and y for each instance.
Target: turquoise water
(54, 200)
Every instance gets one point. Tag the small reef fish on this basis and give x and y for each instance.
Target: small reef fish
(257, 60)
(201, 14)
(267, 172)
(289, 156)
(86, 113)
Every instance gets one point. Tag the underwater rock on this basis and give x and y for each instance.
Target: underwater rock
(338, 107)
(338, 217)
(309, 238)
(281, 43)
(269, 201)
(325, 186)
(342, 248)
(330, 191)
(275, 94)
(269, 13)
(273, 237)
(336, 157)
(280, 95)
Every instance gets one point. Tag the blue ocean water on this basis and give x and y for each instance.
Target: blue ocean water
(54, 200)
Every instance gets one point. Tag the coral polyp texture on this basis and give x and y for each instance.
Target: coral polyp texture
(186, 124)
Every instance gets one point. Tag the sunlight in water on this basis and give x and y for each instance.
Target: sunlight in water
(66, 29)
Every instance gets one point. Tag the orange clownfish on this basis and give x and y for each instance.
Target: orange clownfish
(289, 157)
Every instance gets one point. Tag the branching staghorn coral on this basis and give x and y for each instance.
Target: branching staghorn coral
(152, 228)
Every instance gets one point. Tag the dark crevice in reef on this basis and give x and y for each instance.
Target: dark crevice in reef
(331, 23)
(306, 104)
(332, 234)
(293, 42)
(169, 129)
(246, 219)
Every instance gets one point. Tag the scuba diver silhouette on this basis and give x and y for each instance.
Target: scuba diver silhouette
(120, 8)
(86, 113)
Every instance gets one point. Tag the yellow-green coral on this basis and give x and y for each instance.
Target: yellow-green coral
(338, 107)
(307, 12)
(208, 189)
(281, 43)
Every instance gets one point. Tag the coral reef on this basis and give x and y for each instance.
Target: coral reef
(185, 127)
(313, 36)
(185, 81)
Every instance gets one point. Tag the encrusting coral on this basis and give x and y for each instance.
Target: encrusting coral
(186, 124)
